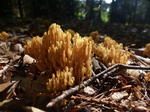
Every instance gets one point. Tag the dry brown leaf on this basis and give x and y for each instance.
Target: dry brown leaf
(7, 90)
(4, 70)
(137, 90)
(4, 86)
(35, 86)
(134, 73)
(18, 48)
(1, 67)
(32, 109)
(3, 61)
(7, 77)
(119, 95)
(76, 108)
(89, 90)
(3, 48)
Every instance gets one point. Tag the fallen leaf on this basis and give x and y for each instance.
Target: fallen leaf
(89, 90)
(119, 95)
(3, 48)
(18, 48)
(7, 90)
(32, 109)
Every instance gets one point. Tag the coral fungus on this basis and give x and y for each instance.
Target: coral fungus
(147, 50)
(61, 80)
(95, 36)
(4, 36)
(110, 52)
(147, 77)
(57, 50)
(66, 56)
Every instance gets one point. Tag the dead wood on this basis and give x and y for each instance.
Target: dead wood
(98, 101)
(96, 66)
(147, 60)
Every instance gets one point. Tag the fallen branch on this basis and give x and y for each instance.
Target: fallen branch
(96, 66)
(90, 80)
(99, 101)
(147, 60)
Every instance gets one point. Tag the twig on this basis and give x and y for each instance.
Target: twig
(96, 79)
(140, 59)
(133, 67)
(98, 101)
(96, 66)
(147, 60)
(114, 90)
(102, 64)
(145, 93)
(89, 81)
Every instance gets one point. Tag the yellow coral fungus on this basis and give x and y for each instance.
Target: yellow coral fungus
(147, 50)
(56, 50)
(4, 36)
(110, 52)
(147, 77)
(95, 36)
(61, 80)
(71, 32)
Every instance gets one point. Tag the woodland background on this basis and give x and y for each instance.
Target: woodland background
(119, 11)
(118, 19)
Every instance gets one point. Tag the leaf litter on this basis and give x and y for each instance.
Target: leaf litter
(23, 86)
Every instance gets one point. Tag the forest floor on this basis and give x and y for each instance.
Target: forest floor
(22, 89)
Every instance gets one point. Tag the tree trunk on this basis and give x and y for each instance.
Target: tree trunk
(90, 12)
(134, 11)
(99, 14)
(20, 8)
